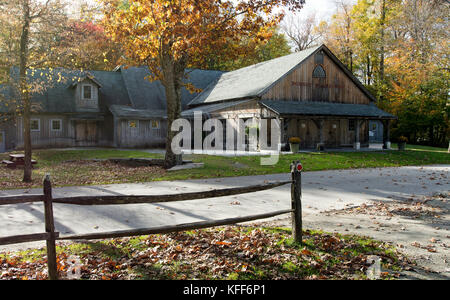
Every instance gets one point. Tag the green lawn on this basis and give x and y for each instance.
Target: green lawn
(69, 167)
(422, 148)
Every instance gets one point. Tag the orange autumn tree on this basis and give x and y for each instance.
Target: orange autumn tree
(169, 36)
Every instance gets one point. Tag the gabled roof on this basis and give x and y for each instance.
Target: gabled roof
(251, 81)
(255, 80)
(286, 108)
(90, 77)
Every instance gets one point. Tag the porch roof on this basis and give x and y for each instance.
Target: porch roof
(127, 112)
(207, 109)
(290, 108)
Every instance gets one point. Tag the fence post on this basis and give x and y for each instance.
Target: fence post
(296, 200)
(50, 228)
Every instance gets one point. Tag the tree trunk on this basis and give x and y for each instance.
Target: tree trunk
(382, 50)
(173, 82)
(24, 91)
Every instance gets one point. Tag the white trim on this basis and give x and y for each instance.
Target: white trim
(60, 125)
(92, 91)
(39, 125)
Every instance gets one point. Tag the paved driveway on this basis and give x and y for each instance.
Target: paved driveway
(322, 191)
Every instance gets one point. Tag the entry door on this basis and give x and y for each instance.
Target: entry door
(86, 131)
(333, 133)
(2, 142)
(375, 132)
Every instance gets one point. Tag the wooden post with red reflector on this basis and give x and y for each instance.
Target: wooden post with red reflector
(296, 200)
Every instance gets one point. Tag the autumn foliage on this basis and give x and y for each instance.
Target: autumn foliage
(169, 36)
(399, 50)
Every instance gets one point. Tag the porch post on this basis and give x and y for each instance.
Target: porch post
(321, 141)
(386, 135)
(284, 124)
(321, 145)
(357, 144)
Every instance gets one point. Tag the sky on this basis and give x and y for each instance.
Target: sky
(323, 9)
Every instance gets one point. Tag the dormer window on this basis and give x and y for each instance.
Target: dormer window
(87, 92)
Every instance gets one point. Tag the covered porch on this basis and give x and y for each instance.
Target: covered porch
(322, 125)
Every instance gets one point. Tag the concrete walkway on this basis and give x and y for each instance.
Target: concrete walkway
(322, 191)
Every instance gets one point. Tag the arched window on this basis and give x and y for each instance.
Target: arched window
(319, 72)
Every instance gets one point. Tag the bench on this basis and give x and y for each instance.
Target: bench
(14, 164)
(7, 162)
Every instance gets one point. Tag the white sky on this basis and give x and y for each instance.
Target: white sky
(323, 9)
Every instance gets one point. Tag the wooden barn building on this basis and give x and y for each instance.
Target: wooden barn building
(120, 109)
(313, 95)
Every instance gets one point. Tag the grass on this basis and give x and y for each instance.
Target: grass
(69, 167)
(231, 252)
(422, 148)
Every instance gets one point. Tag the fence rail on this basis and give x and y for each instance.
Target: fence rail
(136, 199)
(50, 235)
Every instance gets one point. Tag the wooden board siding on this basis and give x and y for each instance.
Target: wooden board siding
(87, 105)
(249, 109)
(340, 136)
(300, 85)
(9, 129)
(72, 134)
(144, 136)
(45, 137)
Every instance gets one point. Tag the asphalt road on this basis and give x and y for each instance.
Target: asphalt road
(322, 191)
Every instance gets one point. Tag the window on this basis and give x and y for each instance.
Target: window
(35, 125)
(56, 125)
(318, 58)
(154, 124)
(351, 125)
(133, 124)
(319, 72)
(87, 92)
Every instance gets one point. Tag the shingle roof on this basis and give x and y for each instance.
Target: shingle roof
(206, 109)
(125, 87)
(325, 109)
(255, 80)
(251, 81)
(151, 95)
(59, 96)
(127, 112)
(4, 95)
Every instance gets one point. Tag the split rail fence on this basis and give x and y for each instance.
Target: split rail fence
(51, 236)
